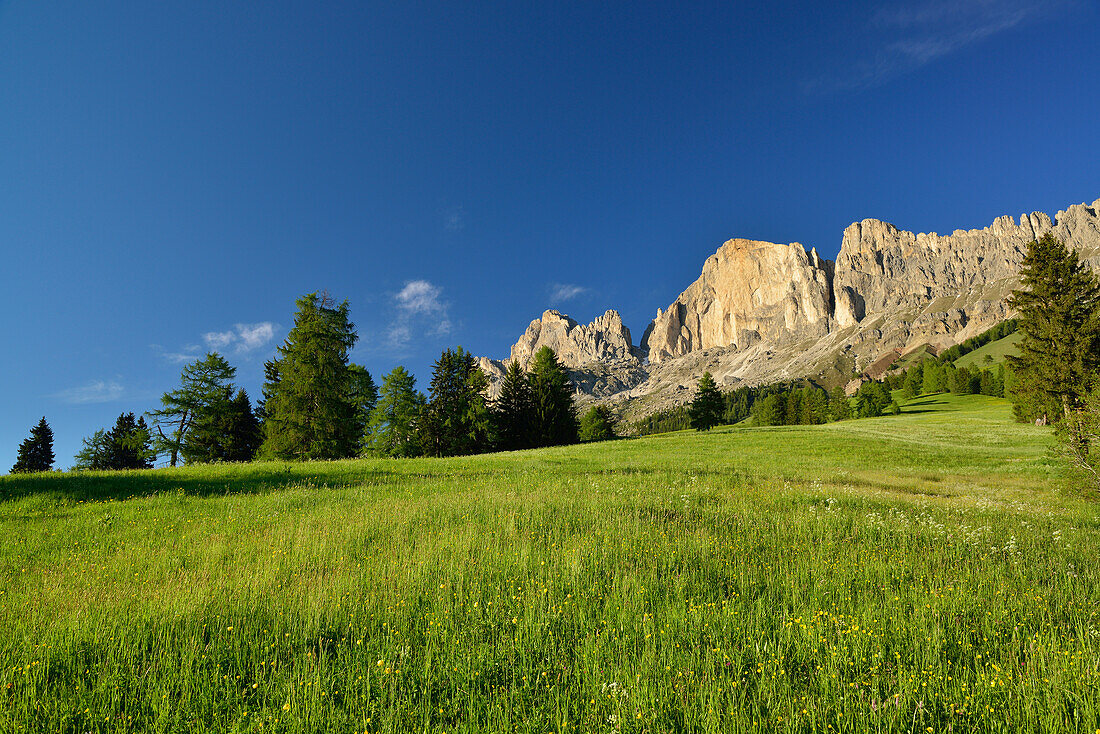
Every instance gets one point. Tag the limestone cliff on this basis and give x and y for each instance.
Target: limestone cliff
(748, 292)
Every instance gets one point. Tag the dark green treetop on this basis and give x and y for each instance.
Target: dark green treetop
(396, 416)
(707, 406)
(555, 417)
(36, 452)
(1059, 323)
(309, 412)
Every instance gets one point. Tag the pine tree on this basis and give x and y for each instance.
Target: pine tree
(394, 422)
(457, 419)
(707, 405)
(206, 386)
(513, 410)
(36, 452)
(555, 417)
(1059, 323)
(598, 424)
(310, 413)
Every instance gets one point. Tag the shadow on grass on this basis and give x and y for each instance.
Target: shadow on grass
(205, 481)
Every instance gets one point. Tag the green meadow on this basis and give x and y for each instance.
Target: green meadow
(927, 572)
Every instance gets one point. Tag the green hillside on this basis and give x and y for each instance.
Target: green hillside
(921, 572)
(996, 352)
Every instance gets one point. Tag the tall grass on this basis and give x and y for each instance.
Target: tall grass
(911, 573)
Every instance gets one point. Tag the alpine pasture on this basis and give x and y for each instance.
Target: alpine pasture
(927, 572)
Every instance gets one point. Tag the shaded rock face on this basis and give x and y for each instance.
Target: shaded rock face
(748, 292)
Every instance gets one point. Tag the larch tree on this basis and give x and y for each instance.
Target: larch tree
(206, 386)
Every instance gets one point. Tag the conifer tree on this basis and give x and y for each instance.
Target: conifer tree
(94, 453)
(513, 410)
(840, 407)
(229, 433)
(457, 418)
(707, 406)
(395, 419)
(310, 413)
(36, 452)
(206, 386)
(598, 424)
(1059, 323)
(555, 417)
(364, 396)
(129, 444)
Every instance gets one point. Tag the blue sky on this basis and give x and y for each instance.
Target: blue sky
(175, 174)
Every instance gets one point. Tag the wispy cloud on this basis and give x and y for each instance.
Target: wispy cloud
(420, 307)
(565, 292)
(187, 354)
(96, 391)
(919, 33)
(243, 338)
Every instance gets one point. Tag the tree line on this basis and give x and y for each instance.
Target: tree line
(316, 404)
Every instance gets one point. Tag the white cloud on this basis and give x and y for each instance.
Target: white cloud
(916, 34)
(419, 297)
(565, 292)
(243, 338)
(254, 336)
(420, 309)
(96, 391)
(218, 339)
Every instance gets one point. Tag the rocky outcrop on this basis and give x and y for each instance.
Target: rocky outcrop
(604, 346)
(748, 292)
(605, 339)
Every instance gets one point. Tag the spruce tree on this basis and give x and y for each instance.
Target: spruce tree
(707, 406)
(396, 417)
(457, 419)
(555, 417)
(310, 413)
(1059, 324)
(36, 452)
(129, 444)
(513, 411)
(840, 407)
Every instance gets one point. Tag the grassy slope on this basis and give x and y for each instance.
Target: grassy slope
(995, 350)
(898, 573)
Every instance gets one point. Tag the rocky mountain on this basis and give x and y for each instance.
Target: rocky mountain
(601, 355)
(761, 312)
(749, 292)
